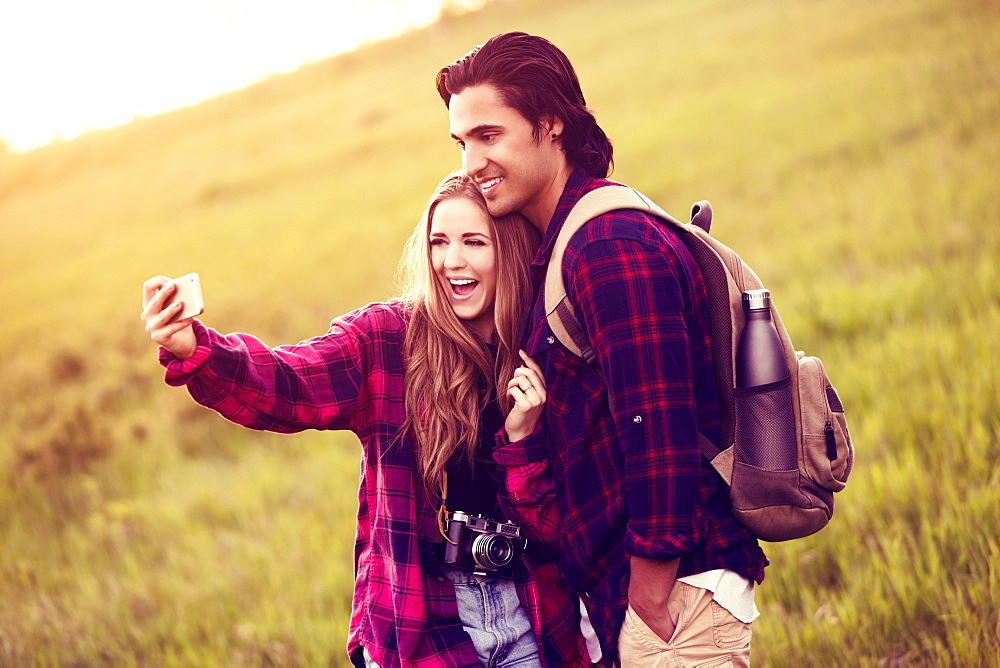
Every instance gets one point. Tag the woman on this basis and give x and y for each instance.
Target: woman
(423, 381)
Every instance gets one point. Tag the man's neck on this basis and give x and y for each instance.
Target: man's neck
(540, 211)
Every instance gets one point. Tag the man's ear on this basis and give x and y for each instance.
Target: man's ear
(553, 127)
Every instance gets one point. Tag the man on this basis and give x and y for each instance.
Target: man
(648, 539)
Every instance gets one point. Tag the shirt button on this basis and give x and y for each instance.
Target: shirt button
(637, 419)
(551, 340)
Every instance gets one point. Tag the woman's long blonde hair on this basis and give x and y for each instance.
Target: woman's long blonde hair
(447, 369)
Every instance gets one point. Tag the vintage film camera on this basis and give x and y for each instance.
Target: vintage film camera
(482, 544)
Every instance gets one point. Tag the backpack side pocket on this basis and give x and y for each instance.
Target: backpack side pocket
(826, 444)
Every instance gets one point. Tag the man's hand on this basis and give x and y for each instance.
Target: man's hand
(648, 591)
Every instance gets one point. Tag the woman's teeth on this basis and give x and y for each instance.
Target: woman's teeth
(462, 286)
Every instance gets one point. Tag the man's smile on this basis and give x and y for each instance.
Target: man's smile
(489, 184)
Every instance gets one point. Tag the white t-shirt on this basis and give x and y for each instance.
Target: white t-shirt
(729, 589)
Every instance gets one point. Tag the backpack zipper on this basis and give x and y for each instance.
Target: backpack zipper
(831, 441)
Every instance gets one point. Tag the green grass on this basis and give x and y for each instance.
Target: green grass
(850, 151)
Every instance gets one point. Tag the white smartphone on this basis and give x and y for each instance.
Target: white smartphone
(188, 291)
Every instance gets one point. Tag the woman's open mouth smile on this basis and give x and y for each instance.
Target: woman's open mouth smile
(462, 287)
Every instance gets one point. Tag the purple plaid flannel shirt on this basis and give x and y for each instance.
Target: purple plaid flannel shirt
(404, 609)
(627, 475)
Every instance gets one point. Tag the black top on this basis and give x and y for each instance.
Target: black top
(474, 490)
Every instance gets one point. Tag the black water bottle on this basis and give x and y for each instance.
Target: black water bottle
(760, 359)
(765, 421)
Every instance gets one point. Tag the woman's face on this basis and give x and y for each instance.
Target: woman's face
(463, 257)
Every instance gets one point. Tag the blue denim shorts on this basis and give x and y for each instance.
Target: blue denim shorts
(492, 615)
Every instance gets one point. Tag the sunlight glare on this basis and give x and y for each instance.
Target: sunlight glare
(73, 66)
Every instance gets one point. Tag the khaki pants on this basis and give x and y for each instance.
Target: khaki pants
(706, 635)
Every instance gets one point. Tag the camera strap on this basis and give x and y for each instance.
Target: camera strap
(442, 514)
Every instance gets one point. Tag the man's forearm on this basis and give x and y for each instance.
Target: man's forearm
(649, 589)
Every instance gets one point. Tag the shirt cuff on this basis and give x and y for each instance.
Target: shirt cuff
(528, 450)
(181, 372)
(672, 546)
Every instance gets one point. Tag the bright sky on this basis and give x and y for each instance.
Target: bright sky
(71, 65)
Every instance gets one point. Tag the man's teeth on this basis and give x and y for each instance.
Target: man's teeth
(486, 185)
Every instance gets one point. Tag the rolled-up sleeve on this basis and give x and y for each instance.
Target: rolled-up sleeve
(630, 303)
(315, 384)
(527, 489)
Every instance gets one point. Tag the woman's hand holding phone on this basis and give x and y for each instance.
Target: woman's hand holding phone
(160, 314)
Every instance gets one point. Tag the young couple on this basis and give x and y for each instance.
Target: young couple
(466, 405)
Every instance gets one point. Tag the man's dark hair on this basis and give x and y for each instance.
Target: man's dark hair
(534, 77)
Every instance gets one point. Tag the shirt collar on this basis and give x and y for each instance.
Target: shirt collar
(578, 184)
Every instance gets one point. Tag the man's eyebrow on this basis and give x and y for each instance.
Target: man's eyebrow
(479, 129)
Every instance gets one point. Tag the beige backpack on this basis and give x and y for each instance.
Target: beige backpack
(773, 505)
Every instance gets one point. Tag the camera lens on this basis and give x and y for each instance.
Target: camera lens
(492, 551)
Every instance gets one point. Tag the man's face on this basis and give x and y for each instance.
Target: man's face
(499, 152)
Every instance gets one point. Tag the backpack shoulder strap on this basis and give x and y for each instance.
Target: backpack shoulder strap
(558, 310)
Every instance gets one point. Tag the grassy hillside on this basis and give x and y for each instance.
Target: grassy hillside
(849, 148)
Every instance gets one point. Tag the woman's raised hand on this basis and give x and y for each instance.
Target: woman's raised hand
(527, 390)
(176, 336)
